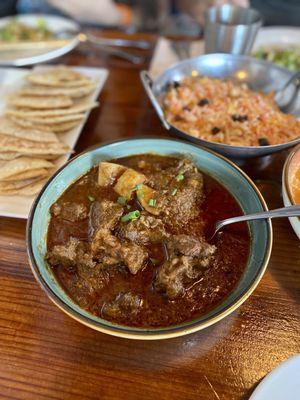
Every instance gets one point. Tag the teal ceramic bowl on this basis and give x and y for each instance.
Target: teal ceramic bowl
(224, 171)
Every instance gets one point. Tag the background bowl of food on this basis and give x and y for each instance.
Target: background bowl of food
(279, 45)
(119, 238)
(225, 102)
(291, 185)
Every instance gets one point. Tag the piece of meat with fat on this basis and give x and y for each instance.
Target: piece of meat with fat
(144, 230)
(109, 249)
(105, 243)
(170, 276)
(163, 178)
(69, 211)
(71, 254)
(134, 256)
(190, 246)
(124, 304)
(188, 258)
(105, 214)
(185, 204)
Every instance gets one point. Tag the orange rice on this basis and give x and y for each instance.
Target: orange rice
(225, 112)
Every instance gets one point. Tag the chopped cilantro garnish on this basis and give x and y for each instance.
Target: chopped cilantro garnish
(152, 202)
(154, 261)
(179, 177)
(174, 191)
(91, 198)
(131, 216)
(137, 187)
(121, 200)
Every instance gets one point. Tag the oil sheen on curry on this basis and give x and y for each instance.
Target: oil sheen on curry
(127, 241)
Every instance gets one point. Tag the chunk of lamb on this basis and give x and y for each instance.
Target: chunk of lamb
(134, 256)
(191, 246)
(69, 211)
(188, 258)
(71, 254)
(164, 178)
(105, 244)
(172, 274)
(185, 204)
(109, 249)
(144, 230)
(124, 305)
(105, 214)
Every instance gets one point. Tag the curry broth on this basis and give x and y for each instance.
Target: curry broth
(200, 296)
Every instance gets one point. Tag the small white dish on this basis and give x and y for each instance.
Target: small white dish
(283, 383)
(291, 165)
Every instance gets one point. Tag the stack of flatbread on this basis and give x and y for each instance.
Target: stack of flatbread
(52, 102)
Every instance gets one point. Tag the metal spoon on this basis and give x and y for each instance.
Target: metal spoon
(104, 41)
(107, 45)
(287, 106)
(291, 211)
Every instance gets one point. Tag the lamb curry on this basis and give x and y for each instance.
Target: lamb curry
(127, 241)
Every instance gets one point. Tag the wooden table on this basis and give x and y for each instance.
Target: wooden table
(44, 354)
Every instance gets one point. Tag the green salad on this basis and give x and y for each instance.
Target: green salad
(287, 58)
(16, 31)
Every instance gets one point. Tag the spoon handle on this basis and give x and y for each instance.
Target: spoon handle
(291, 211)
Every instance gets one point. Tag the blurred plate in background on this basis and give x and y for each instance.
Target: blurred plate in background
(277, 35)
(32, 55)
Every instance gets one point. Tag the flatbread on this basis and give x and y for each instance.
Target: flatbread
(74, 93)
(54, 120)
(75, 109)
(56, 128)
(59, 77)
(33, 173)
(9, 155)
(12, 155)
(10, 128)
(22, 165)
(29, 190)
(64, 126)
(27, 124)
(17, 185)
(39, 103)
(8, 143)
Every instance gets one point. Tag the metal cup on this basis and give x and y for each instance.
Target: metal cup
(231, 29)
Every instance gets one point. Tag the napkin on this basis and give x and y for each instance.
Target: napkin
(164, 56)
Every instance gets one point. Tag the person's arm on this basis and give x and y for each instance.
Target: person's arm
(104, 12)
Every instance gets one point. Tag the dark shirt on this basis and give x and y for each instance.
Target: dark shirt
(278, 12)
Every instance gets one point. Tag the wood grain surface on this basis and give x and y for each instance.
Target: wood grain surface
(44, 354)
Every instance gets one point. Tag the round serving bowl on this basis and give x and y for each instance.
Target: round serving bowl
(229, 175)
(257, 74)
(291, 165)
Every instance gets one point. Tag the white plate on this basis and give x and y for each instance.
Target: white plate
(33, 56)
(281, 36)
(283, 383)
(11, 79)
